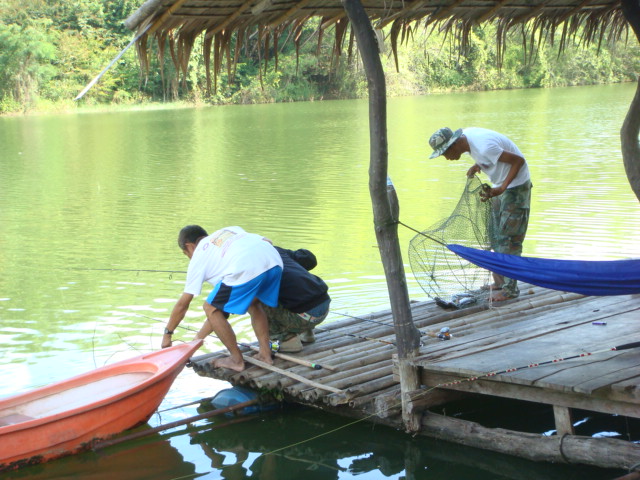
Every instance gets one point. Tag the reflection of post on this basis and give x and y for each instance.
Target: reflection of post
(412, 461)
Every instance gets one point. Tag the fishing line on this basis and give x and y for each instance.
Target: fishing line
(626, 346)
(124, 270)
(424, 334)
(356, 336)
(301, 361)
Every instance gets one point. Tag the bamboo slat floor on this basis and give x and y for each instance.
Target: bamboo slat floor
(603, 380)
(538, 329)
(539, 326)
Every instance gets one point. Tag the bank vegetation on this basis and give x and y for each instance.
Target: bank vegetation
(50, 49)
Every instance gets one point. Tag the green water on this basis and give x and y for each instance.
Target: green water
(85, 198)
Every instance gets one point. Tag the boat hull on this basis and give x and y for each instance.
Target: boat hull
(69, 416)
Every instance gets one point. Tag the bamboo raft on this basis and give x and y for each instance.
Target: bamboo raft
(355, 370)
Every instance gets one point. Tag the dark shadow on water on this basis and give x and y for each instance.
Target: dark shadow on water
(296, 443)
(362, 450)
(495, 412)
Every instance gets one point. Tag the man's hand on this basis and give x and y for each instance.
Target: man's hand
(473, 170)
(166, 341)
(488, 193)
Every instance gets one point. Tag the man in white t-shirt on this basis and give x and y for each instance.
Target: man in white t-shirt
(244, 270)
(501, 160)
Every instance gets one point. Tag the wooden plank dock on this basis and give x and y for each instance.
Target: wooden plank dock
(525, 339)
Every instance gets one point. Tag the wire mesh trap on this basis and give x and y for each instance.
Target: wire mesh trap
(445, 277)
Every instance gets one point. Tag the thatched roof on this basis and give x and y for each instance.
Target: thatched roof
(182, 21)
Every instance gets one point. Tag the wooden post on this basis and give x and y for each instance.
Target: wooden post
(563, 420)
(631, 125)
(386, 227)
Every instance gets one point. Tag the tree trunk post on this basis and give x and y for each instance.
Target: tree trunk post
(631, 125)
(386, 226)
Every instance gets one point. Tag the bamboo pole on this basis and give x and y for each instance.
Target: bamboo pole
(148, 29)
(292, 375)
(344, 379)
(178, 423)
(362, 389)
(384, 406)
(347, 370)
(368, 399)
(298, 360)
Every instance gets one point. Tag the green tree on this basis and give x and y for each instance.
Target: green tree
(26, 54)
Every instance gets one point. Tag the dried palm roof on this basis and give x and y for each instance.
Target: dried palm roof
(177, 23)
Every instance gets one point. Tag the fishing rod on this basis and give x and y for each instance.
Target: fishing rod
(125, 270)
(625, 346)
(356, 336)
(422, 233)
(283, 356)
(444, 333)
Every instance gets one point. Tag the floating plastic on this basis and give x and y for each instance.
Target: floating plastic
(235, 395)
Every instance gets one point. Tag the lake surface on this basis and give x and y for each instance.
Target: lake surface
(91, 204)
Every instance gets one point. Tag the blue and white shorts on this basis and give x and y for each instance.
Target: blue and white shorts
(237, 298)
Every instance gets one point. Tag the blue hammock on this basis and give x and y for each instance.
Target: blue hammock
(607, 277)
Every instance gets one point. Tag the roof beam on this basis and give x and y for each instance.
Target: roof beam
(439, 14)
(489, 13)
(163, 18)
(288, 13)
(242, 8)
(409, 8)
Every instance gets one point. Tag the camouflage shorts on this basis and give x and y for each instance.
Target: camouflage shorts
(510, 219)
(283, 323)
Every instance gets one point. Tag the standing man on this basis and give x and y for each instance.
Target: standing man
(500, 159)
(244, 269)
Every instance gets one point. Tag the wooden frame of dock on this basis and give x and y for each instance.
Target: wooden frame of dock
(545, 347)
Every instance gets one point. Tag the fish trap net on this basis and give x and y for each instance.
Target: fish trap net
(448, 279)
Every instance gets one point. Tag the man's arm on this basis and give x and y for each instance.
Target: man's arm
(516, 163)
(177, 314)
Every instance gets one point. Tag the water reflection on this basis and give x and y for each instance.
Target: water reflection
(292, 445)
(155, 459)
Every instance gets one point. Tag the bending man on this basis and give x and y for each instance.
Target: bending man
(244, 270)
(303, 302)
(500, 159)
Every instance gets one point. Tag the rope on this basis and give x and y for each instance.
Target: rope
(422, 233)
(564, 457)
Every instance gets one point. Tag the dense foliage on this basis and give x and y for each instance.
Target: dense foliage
(50, 49)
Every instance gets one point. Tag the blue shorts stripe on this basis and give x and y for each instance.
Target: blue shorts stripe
(237, 298)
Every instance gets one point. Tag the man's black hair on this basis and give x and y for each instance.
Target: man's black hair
(190, 234)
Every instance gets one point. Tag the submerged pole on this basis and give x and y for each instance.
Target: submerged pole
(177, 423)
(385, 222)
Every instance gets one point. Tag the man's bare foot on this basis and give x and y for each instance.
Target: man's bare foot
(491, 286)
(500, 296)
(228, 362)
(266, 359)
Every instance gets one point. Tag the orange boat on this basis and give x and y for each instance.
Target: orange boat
(69, 416)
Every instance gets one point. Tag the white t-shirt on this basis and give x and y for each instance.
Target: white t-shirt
(231, 256)
(486, 146)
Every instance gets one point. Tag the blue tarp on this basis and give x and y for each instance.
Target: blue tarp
(606, 277)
